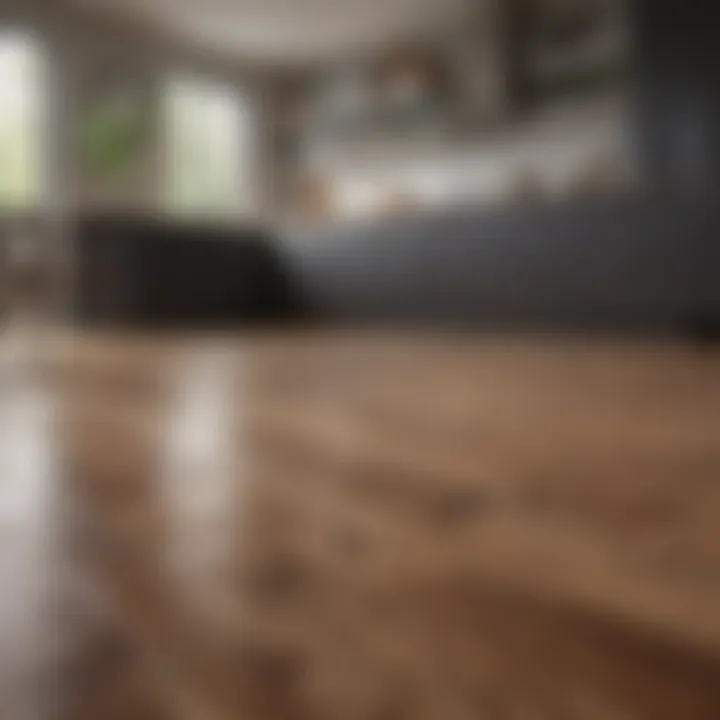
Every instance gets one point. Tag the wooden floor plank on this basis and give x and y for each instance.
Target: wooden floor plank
(340, 525)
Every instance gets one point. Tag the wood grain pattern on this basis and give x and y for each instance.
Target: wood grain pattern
(359, 526)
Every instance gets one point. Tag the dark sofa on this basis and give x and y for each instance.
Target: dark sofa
(640, 265)
(149, 271)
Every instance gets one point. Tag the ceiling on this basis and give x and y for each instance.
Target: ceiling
(289, 31)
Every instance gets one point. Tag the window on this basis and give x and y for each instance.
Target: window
(21, 122)
(208, 133)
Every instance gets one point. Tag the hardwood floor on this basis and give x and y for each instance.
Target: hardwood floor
(350, 526)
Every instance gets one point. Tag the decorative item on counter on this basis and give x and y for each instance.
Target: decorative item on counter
(401, 202)
(601, 174)
(528, 187)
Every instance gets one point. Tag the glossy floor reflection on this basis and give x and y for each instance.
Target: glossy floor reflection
(349, 526)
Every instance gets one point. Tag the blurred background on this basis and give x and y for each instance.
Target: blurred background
(358, 360)
(312, 111)
(298, 116)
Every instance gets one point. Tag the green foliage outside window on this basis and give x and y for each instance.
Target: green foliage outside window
(114, 135)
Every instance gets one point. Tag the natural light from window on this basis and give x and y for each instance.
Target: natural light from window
(208, 130)
(21, 122)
